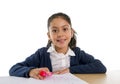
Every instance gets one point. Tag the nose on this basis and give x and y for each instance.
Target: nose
(60, 33)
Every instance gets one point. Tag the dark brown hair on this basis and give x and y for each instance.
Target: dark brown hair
(72, 43)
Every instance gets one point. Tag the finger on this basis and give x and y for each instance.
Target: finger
(46, 69)
(56, 72)
(64, 71)
(40, 77)
(36, 77)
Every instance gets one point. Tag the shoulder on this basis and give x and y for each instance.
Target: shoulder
(42, 50)
(80, 52)
(77, 49)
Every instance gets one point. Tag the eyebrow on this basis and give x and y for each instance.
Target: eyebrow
(65, 26)
(54, 27)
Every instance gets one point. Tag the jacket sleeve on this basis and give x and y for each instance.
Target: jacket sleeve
(22, 69)
(85, 63)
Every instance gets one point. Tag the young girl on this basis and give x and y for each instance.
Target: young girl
(61, 54)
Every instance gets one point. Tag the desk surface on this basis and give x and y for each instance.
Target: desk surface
(54, 79)
(111, 77)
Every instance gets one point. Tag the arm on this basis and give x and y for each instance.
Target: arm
(22, 69)
(85, 63)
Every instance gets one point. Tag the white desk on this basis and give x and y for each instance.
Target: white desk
(54, 79)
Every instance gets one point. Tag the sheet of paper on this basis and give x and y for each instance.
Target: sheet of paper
(54, 79)
(65, 79)
(59, 79)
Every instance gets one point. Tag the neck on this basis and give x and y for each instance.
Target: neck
(61, 50)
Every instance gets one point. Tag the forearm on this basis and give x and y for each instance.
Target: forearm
(20, 71)
(94, 67)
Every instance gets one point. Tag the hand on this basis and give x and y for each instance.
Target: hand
(62, 71)
(34, 73)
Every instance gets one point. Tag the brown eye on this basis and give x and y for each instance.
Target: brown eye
(65, 29)
(54, 31)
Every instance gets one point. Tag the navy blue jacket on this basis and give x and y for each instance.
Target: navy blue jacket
(81, 63)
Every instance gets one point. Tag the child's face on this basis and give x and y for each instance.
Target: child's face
(60, 33)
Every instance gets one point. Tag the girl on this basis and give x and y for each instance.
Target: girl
(61, 54)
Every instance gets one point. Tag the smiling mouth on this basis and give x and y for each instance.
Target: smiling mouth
(61, 40)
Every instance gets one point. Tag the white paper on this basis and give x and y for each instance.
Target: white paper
(65, 79)
(54, 79)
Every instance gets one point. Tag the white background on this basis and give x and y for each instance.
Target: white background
(23, 28)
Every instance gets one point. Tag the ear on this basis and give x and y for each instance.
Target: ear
(72, 32)
(48, 34)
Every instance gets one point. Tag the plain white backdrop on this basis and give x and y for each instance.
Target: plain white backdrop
(23, 28)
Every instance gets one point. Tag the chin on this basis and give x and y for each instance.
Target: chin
(61, 46)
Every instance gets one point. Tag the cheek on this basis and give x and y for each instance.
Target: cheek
(69, 36)
(52, 37)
